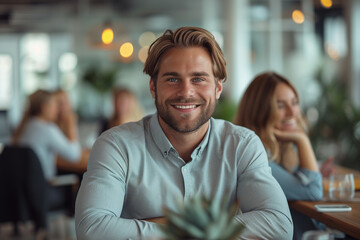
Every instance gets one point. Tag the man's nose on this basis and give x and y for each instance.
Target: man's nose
(186, 89)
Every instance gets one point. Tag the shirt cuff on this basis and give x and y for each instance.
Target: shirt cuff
(307, 176)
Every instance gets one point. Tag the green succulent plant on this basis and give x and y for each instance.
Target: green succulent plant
(202, 218)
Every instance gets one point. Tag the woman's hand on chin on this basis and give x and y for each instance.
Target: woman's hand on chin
(289, 135)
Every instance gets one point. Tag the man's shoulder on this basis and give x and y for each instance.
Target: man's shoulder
(128, 130)
(227, 128)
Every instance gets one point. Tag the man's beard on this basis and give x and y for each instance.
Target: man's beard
(171, 121)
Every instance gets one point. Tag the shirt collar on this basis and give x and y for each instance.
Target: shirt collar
(163, 142)
(199, 149)
(159, 136)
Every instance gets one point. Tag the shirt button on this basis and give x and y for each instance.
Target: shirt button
(185, 170)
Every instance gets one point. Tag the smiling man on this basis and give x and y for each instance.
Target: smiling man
(136, 169)
(185, 92)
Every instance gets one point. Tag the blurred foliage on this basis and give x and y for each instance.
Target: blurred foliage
(225, 109)
(338, 122)
(102, 80)
(41, 75)
(202, 218)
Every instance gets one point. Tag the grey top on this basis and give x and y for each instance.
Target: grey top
(48, 141)
(302, 184)
(133, 172)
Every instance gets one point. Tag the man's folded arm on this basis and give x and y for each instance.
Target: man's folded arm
(264, 207)
(101, 196)
(105, 226)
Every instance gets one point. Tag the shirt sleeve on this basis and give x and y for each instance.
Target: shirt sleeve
(303, 184)
(69, 150)
(101, 197)
(264, 207)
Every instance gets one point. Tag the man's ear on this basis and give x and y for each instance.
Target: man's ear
(152, 87)
(219, 88)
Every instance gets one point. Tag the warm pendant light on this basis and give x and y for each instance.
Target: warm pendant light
(107, 36)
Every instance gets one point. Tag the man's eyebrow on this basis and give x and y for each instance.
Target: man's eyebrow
(195, 74)
(198, 74)
(170, 74)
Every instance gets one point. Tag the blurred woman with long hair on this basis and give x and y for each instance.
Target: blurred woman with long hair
(126, 108)
(270, 107)
(38, 131)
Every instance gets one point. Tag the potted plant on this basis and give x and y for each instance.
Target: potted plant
(202, 218)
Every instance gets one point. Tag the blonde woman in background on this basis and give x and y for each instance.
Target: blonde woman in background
(38, 131)
(270, 107)
(126, 109)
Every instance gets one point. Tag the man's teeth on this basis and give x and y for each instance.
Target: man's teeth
(185, 107)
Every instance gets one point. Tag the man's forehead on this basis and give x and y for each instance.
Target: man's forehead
(195, 61)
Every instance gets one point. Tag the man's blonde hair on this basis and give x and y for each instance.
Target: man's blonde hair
(185, 37)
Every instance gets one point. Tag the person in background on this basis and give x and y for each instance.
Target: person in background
(126, 108)
(67, 121)
(270, 107)
(138, 168)
(38, 131)
(66, 118)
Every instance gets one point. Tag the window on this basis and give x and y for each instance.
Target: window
(35, 63)
(6, 70)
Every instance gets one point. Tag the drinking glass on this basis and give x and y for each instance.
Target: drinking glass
(341, 187)
(317, 235)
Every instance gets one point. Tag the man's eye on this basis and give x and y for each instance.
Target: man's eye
(172, 80)
(197, 80)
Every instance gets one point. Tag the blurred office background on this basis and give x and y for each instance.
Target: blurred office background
(87, 47)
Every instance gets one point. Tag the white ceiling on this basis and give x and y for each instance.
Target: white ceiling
(138, 15)
(61, 15)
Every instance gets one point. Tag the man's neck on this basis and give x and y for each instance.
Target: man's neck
(184, 143)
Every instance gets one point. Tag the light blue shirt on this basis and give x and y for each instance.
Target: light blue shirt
(48, 141)
(133, 172)
(303, 184)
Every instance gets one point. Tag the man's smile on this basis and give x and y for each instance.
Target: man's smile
(185, 106)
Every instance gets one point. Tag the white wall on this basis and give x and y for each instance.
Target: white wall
(10, 44)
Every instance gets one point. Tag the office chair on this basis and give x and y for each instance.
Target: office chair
(23, 187)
